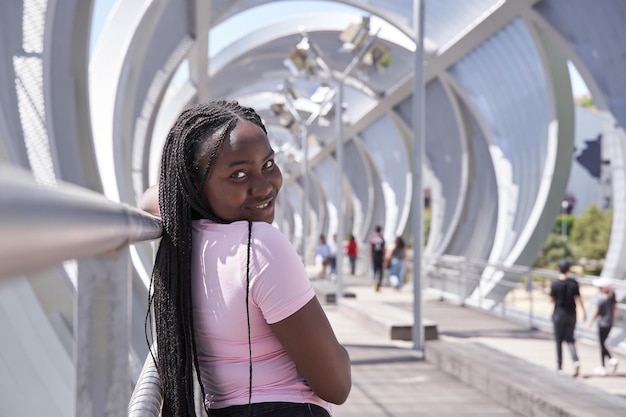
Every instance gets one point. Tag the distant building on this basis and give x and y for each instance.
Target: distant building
(589, 173)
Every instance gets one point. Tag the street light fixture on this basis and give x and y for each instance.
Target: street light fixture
(285, 117)
(291, 90)
(355, 34)
(305, 60)
(300, 60)
(377, 56)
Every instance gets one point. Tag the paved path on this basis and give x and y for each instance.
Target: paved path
(392, 379)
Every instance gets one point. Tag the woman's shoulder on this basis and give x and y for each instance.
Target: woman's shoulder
(268, 234)
(209, 225)
(260, 230)
(267, 239)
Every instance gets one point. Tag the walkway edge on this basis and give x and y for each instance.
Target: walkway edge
(521, 386)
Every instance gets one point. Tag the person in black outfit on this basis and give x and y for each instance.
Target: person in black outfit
(377, 253)
(565, 294)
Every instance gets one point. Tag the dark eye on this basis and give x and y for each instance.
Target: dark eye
(269, 164)
(238, 174)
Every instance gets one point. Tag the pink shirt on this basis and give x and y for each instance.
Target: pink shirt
(279, 286)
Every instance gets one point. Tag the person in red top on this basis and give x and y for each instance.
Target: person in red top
(352, 252)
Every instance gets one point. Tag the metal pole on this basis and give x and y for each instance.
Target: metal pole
(305, 191)
(102, 324)
(281, 214)
(418, 151)
(340, 216)
(563, 224)
(281, 204)
(339, 133)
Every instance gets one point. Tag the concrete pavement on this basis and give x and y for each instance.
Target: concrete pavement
(390, 379)
(480, 365)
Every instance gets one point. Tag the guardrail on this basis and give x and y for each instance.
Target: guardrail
(147, 398)
(522, 297)
(68, 222)
(42, 226)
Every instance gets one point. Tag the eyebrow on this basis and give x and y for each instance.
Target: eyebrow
(247, 161)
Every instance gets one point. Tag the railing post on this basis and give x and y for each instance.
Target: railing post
(102, 326)
(530, 300)
(463, 288)
(443, 281)
(480, 292)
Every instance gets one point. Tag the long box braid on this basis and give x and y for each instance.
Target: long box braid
(197, 133)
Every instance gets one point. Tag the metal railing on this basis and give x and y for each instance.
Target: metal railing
(147, 397)
(68, 222)
(517, 293)
(42, 226)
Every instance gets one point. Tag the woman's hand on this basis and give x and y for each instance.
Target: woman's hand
(150, 201)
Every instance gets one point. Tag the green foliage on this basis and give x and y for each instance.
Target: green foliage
(587, 102)
(587, 236)
(554, 249)
(564, 223)
(426, 228)
(426, 220)
(386, 60)
(591, 233)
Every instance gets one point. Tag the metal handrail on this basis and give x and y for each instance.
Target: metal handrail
(63, 222)
(147, 398)
(69, 222)
(462, 263)
(450, 276)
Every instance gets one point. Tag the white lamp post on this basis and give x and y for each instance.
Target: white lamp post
(418, 152)
(564, 205)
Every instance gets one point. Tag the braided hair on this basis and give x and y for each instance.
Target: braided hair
(194, 140)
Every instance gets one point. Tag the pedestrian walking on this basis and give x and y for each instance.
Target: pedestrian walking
(604, 315)
(395, 260)
(322, 256)
(377, 255)
(352, 252)
(565, 294)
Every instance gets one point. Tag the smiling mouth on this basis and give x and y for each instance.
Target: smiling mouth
(264, 205)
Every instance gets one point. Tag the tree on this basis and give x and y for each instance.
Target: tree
(591, 232)
(587, 236)
(554, 249)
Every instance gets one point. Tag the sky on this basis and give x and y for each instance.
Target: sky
(258, 17)
(251, 19)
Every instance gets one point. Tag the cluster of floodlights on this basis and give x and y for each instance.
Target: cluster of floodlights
(306, 61)
(376, 55)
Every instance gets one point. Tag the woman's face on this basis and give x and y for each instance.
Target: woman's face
(244, 179)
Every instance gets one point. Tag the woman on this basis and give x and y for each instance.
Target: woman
(396, 262)
(231, 295)
(604, 313)
(322, 256)
(352, 252)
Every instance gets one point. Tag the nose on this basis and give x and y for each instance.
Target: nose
(261, 186)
